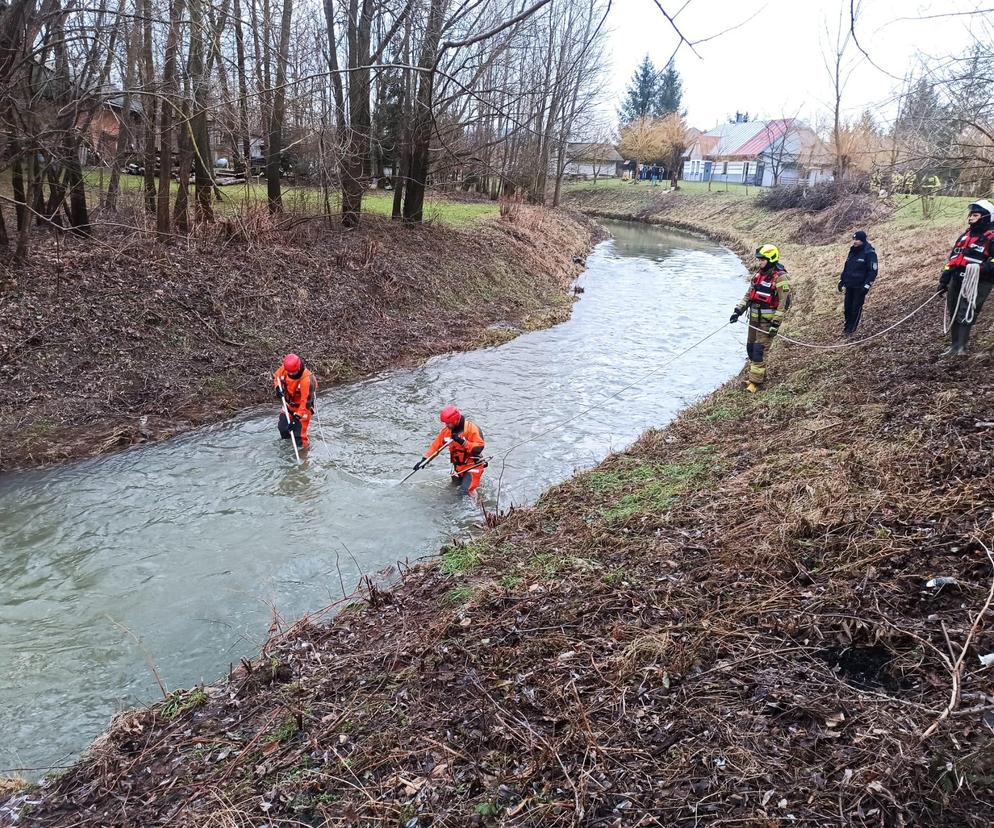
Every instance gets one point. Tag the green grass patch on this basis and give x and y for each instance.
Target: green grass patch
(649, 488)
(457, 596)
(463, 557)
(303, 198)
(547, 564)
(183, 701)
(511, 582)
(694, 187)
(949, 211)
(725, 413)
(284, 731)
(616, 577)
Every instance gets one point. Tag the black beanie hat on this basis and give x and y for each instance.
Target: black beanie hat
(860, 234)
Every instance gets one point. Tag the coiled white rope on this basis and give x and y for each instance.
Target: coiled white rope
(968, 294)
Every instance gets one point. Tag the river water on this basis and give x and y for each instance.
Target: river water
(176, 553)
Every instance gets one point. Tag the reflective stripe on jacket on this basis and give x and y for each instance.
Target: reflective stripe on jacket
(768, 296)
(973, 248)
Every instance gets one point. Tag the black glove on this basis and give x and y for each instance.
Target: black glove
(420, 464)
(841, 286)
(279, 392)
(734, 317)
(944, 280)
(458, 439)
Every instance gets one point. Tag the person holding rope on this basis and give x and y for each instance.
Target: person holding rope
(968, 276)
(465, 441)
(296, 386)
(767, 301)
(857, 278)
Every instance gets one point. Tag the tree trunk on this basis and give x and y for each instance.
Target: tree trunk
(197, 125)
(37, 190)
(20, 204)
(355, 152)
(149, 105)
(79, 217)
(56, 195)
(170, 93)
(273, 161)
(421, 122)
(243, 121)
(181, 207)
(124, 135)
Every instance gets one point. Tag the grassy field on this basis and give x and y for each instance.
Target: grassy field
(237, 197)
(686, 186)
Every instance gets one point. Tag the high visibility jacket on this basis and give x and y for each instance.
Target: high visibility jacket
(974, 247)
(299, 393)
(768, 296)
(463, 455)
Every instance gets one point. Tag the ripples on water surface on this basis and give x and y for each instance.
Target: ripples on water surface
(188, 543)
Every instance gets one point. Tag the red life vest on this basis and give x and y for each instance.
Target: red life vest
(970, 248)
(763, 289)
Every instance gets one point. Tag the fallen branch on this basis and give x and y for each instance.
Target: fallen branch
(956, 669)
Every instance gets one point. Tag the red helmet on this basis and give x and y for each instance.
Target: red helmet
(450, 415)
(292, 363)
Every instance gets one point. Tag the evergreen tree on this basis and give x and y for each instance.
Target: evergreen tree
(642, 94)
(670, 91)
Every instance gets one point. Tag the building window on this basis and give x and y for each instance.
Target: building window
(724, 168)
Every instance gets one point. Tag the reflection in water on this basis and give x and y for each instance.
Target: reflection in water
(188, 544)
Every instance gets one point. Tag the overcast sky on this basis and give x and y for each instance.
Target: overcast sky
(773, 65)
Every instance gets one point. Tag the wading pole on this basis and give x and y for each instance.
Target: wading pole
(426, 461)
(289, 421)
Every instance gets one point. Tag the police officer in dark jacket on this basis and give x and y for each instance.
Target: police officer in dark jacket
(857, 278)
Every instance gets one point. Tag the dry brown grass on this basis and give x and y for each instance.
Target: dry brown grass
(727, 624)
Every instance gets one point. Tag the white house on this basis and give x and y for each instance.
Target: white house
(760, 153)
(584, 160)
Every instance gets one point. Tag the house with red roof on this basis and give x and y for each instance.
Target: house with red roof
(759, 153)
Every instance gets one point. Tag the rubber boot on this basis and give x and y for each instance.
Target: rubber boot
(954, 341)
(751, 387)
(963, 340)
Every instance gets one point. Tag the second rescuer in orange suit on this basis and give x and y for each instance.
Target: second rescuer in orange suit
(465, 448)
(294, 382)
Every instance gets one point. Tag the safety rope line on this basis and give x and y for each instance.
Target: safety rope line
(673, 359)
(968, 291)
(853, 344)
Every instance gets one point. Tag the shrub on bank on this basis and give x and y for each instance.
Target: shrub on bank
(811, 197)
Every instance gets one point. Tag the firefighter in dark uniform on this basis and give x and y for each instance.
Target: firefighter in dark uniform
(857, 278)
(968, 276)
(766, 301)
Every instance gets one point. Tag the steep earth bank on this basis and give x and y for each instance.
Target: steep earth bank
(110, 343)
(730, 623)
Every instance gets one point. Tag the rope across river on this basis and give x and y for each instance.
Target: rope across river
(642, 378)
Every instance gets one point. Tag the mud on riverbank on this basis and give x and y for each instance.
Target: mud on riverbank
(729, 623)
(120, 341)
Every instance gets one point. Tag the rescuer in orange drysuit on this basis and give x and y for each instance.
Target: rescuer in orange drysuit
(465, 442)
(295, 383)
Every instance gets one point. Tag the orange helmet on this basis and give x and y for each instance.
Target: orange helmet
(292, 363)
(450, 415)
